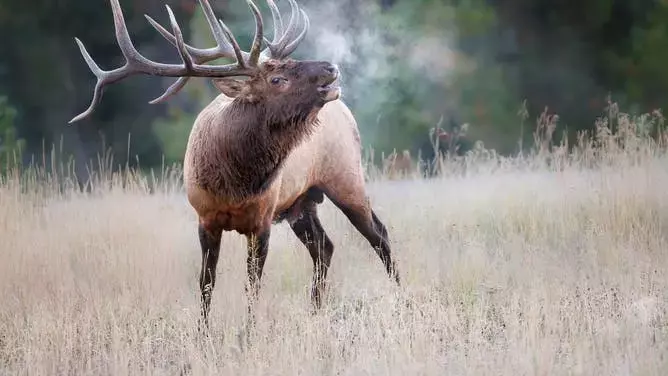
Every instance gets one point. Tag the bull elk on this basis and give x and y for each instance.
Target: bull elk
(267, 149)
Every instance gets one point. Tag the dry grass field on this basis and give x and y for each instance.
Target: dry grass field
(517, 267)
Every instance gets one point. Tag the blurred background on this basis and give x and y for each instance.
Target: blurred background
(408, 66)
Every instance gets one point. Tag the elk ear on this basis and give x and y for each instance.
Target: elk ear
(229, 86)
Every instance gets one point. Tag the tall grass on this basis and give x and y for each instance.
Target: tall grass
(552, 262)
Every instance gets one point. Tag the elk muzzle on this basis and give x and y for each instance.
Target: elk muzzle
(329, 87)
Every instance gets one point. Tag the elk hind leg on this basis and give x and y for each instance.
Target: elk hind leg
(354, 203)
(310, 232)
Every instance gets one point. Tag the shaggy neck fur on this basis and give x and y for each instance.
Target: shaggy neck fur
(248, 144)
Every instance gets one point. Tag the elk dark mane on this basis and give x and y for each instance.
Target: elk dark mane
(254, 141)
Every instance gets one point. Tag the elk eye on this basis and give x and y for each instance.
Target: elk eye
(275, 80)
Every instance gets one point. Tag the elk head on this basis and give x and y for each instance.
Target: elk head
(281, 85)
(285, 88)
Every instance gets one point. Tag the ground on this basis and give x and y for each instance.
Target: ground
(506, 271)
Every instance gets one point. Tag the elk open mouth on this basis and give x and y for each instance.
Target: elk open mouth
(331, 84)
(330, 90)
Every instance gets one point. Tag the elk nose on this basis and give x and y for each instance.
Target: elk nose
(331, 69)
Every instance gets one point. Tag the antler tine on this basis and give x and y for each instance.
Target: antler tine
(185, 56)
(200, 55)
(285, 46)
(136, 63)
(294, 19)
(180, 43)
(216, 29)
(99, 73)
(259, 31)
(238, 53)
(276, 47)
(181, 82)
(226, 46)
(292, 46)
(277, 20)
(171, 90)
(223, 48)
(107, 77)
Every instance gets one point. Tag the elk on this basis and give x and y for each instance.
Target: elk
(443, 144)
(399, 165)
(268, 148)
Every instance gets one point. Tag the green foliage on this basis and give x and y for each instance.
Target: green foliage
(172, 133)
(424, 74)
(406, 67)
(10, 145)
(646, 64)
(407, 75)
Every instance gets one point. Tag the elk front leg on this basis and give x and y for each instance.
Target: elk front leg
(209, 238)
(258, 247)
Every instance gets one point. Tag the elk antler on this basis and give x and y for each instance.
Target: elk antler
(136, 63)
(280, 47)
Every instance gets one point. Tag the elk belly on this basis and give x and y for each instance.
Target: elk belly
(245, 218)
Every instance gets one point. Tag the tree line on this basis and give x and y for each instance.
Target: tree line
(407, 65)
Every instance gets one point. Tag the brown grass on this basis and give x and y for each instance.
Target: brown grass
(549, 264)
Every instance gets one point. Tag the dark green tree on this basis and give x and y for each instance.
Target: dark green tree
(43, 72)
(10, 144)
